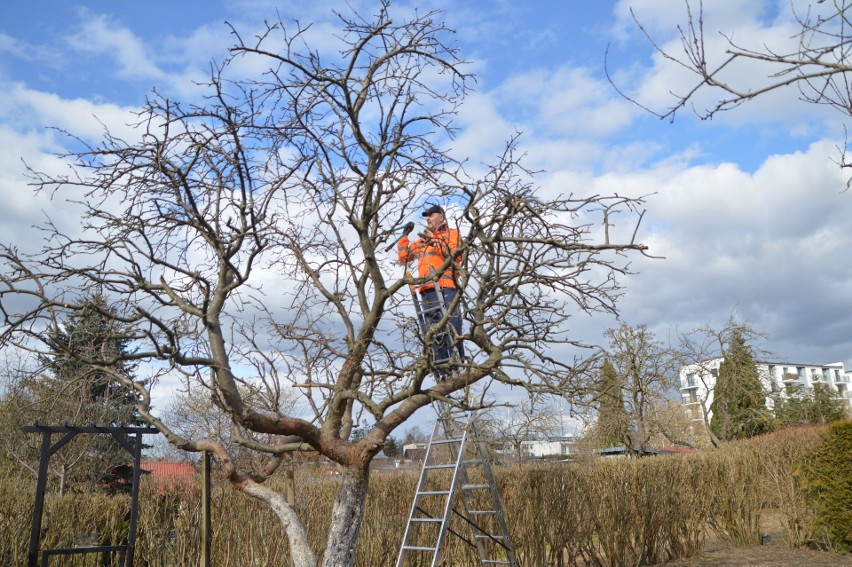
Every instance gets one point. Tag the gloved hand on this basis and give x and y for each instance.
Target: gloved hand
(408, 228)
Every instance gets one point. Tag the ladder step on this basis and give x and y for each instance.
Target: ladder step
(475, 486)
(489, 537)
(416, 548)
(432, 467)
(495, 562)
(433, 493)
(446, 441)
(426, 520)
(483, 512)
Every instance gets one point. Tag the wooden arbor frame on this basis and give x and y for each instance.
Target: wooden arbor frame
(131, 439)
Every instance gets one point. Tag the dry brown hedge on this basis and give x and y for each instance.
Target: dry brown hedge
(605, 512)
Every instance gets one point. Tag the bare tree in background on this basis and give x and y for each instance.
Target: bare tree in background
(818, 67)
(529, 420)
(700, 347)
(645, 372)
(197, 411)
(243, 240)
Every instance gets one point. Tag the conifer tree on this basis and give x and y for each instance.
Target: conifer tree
(613, 421)
(78, 385)
(88, 351)
(739, 400)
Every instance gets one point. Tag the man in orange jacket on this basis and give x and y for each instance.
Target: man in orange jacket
(432, 250)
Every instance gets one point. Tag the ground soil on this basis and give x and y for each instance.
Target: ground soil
(775, 554)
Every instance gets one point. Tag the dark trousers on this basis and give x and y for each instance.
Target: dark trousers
(443, 349)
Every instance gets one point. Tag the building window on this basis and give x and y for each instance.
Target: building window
(714, 372)
(825, 374)
(800, 371)
(690, 380)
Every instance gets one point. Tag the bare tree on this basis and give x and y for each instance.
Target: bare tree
(699, 348)
(645, 371)
(244, 242)
(817, 67)
(197, 411)
(529, 420)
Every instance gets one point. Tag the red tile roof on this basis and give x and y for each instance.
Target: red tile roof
(170, 476)
(169, 468)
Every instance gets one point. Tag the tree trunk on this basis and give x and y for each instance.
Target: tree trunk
(346, 519)
(300, 549)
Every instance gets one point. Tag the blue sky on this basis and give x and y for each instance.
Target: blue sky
(748, 209)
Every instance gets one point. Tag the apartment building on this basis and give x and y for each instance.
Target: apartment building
(698, 380)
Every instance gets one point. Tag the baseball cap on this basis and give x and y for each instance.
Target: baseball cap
(433, 209)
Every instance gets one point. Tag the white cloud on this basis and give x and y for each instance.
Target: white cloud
(12, 46)
(663, 16)
(773, 242)
(26, 109)
(567, 101)
(768, 244)
(101, 35)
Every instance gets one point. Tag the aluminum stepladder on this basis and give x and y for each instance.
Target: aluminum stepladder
(456, 481)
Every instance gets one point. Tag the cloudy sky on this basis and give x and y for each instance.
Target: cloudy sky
(748, 210)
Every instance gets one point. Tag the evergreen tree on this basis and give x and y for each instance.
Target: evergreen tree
(613, 422)
(739, 400)
(86, 356)
(79, 385)
(391, 447)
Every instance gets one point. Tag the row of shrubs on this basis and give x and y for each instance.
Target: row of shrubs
(603, 512)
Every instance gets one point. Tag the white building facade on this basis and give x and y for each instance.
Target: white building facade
(698, 380)
(549, 447)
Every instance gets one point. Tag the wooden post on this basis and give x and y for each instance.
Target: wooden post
(41, 486)
(290, 481)
(206, 533)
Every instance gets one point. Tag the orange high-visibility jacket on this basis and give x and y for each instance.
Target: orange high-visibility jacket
(431, 253)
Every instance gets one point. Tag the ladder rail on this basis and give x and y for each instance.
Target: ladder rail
(465, 480)
(421, 483)
(458, 475)
(459, 441)
(497, 503)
